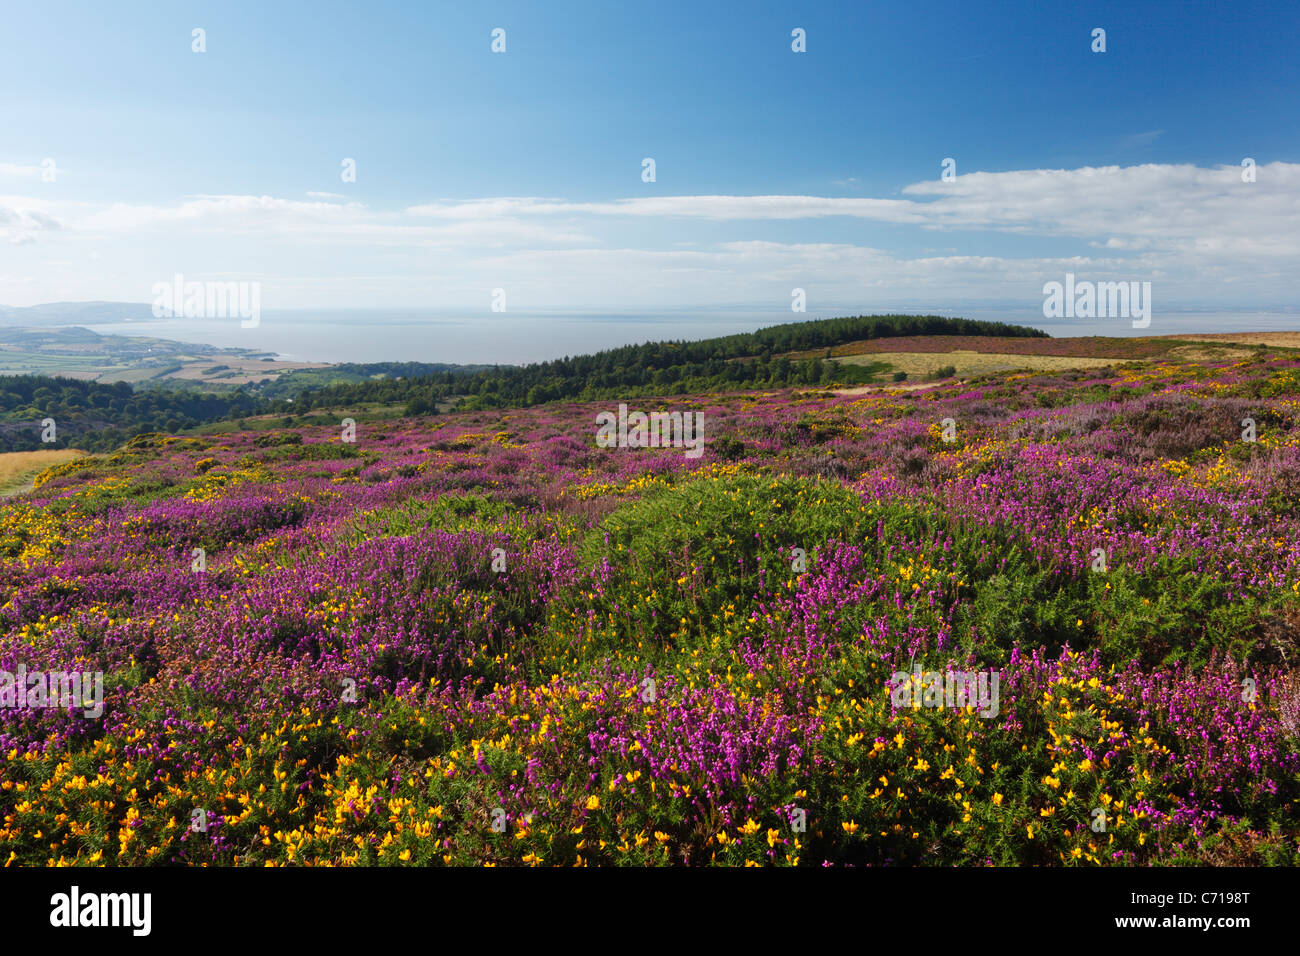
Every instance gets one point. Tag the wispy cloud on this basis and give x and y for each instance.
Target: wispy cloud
(1162, 204)
(1140, 140)
(22, 221)
(1200, 230)
(16, 171)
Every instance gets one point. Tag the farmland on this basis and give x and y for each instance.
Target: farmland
(89, 356)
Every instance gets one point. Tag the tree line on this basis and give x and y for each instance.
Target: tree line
(98, 416)
(748, 359)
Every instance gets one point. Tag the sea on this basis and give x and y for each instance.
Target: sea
(416, 335)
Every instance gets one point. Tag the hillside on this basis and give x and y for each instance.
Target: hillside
(195, 396)
(179, 387)
(635, 656)
(762, 358)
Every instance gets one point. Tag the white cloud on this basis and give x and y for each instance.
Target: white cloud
(1200, 232)
(21, 220)
(1140, 140)
(717, 208)
(766, 272)
(315, 222)
(13, 171)
(1155, 204)
(1167, 205)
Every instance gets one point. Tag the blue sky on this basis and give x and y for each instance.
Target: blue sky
(522, 170)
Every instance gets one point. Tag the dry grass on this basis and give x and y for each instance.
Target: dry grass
(1285, 340)
(895, 387)
(1092, 347)
(968, 363)
(238, 371)
(1210, 353)
(18, 468)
